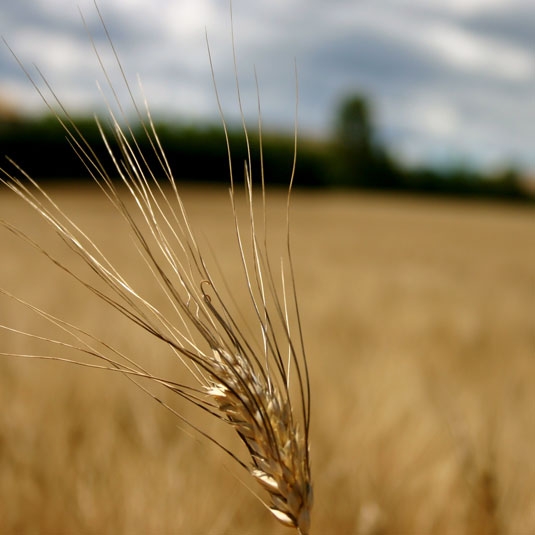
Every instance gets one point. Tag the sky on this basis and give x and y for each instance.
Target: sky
(450, 83)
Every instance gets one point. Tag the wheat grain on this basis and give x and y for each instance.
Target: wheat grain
(258, 385)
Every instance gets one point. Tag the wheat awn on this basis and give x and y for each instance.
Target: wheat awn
(258, 387)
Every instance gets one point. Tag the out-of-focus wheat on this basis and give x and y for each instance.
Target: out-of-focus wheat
(255, 381)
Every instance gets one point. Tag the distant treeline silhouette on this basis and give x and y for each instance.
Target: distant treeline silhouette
(352, 158)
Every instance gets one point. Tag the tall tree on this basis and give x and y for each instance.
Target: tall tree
(358, 159)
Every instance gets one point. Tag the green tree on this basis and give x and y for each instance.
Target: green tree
(358, 160)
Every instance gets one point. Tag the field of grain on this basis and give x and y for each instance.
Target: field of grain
(419, 321)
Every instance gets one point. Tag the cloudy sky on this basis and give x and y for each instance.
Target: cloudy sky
(450, 81)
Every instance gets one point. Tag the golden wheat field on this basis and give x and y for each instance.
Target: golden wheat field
(419, 323)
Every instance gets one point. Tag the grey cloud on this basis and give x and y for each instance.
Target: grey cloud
(516, 27)
(340, 46)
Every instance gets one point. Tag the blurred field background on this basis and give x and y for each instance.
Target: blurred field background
(419, 320)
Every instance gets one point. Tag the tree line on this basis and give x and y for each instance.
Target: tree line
(351, 158)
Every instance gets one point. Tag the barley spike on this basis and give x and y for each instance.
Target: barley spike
(257, 383)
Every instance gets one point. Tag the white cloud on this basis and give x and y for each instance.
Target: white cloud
(460, 7)
(438, 118)
(466, 51)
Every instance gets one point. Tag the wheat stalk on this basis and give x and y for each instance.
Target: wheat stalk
(259, 386)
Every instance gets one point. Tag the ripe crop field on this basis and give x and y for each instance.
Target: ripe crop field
(419, 324)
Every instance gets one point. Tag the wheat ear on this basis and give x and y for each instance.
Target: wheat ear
(259, 386)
